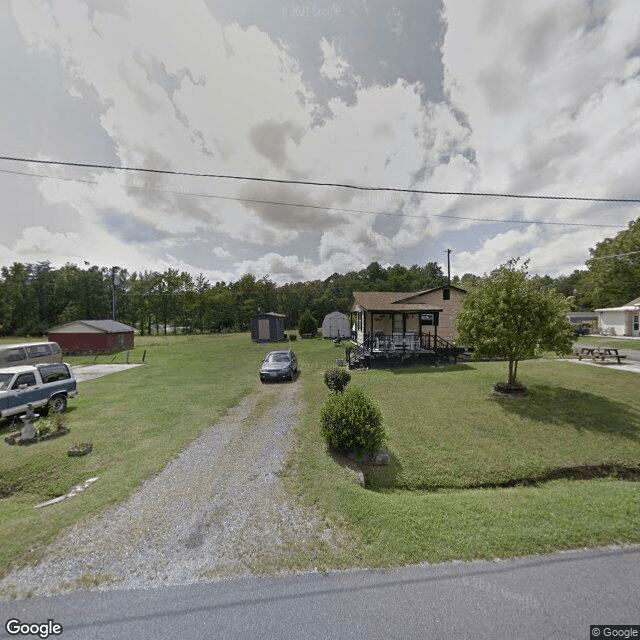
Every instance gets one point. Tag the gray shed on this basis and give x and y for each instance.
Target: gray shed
(336, 325)
(267, 327)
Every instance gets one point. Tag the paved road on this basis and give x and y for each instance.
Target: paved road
(552, 597)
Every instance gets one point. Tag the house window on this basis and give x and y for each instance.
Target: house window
(398, 323)
(426, 319)
(636, 323)
(446, 294)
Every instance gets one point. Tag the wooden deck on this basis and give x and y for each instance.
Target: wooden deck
(401, 350)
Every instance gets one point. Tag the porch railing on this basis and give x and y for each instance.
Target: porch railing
(408, 342)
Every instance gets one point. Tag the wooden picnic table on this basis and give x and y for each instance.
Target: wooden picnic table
(600, 354)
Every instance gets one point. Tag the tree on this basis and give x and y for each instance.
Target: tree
(613, 277)
(509, 315)
(307, 324)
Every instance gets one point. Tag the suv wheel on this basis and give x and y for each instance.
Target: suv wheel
(58, 404)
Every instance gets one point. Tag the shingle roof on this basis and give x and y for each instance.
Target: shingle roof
(107, 326)
(391, 301)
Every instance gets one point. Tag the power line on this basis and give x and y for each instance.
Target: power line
(319, 207)
(87, 165)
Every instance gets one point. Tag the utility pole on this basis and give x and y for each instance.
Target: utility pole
(113, 292)
(449, 266)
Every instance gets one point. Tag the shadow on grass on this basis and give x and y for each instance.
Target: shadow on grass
(583, 411)
(426, 368)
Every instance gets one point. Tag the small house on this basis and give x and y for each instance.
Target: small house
(406, 326)
(336, 325)
(620, 321)
(92, 336)
(267, 327)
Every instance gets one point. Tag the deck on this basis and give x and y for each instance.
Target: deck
(401, 350)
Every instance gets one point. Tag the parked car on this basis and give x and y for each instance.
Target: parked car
(581, 330)
(44, 386)
(15, 355)
(281, 365)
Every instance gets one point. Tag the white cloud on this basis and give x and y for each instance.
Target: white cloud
(542, 97)
(334, 67)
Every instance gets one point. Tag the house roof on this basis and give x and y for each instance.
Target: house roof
(634, 305)
(582, 315)
(106, 326)
(396, 301)
(270, 313)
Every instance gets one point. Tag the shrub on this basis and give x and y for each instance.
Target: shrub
(293, 336)
(307, 324)
(352, 422)
(337, 379)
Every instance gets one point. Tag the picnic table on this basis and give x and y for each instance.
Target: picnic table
(600, 354)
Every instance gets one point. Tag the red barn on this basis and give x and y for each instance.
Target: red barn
(92, 336)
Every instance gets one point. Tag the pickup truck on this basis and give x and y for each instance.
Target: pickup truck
(44, 386)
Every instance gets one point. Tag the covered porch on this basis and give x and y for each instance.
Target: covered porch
(403, 327)
(387, 339)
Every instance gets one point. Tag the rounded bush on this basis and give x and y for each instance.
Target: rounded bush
(351, 421)
(337, 379)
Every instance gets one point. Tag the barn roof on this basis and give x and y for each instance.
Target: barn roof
(106, 326)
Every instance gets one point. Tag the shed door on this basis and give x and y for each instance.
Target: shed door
(263, 328)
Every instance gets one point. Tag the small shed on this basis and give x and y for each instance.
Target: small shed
(336, 325)
(267, 327)
(92, 336)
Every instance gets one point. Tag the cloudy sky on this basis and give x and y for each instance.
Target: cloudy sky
(499, 96)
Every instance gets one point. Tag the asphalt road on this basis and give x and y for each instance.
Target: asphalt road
(541, 597)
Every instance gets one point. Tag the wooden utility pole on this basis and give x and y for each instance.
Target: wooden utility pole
(113, 292)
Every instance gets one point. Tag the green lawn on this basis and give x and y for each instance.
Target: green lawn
(137, 421)
(608, 341)
(447, 436)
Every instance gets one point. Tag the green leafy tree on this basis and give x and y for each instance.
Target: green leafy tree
(307, 324)
(510, 315)
(613, 276)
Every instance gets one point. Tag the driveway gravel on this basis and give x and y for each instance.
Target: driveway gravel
(217, 509)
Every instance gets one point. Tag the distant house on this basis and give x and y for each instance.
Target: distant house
(620, 321)
(581, 317)
(267, 327)
(336, 325)
(92, 336)
(582, 321)
(406, 325)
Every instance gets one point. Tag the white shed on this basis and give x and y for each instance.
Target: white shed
(336, 325)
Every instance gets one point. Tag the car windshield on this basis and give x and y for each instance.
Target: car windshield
(278, 357)
(5, 379)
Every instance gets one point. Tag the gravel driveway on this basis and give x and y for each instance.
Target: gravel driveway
(218, 509)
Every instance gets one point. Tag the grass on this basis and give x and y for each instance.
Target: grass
(137, 421)
(608, 341)
(447, 435)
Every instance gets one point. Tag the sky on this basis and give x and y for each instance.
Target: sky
(476, 96)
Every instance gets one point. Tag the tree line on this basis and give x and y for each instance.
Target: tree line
(37, 297)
